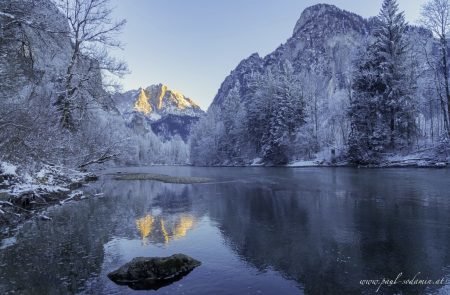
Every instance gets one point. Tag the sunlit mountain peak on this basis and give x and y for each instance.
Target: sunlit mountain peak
(160, 100)
(142, 104)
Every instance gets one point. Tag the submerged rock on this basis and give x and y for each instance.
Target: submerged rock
(152, 273)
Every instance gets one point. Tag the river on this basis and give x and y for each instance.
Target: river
(255, 230)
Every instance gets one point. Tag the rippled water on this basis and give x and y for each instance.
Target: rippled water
(256, 231)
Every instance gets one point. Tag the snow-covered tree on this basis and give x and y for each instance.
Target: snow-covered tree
(204, 143)
(275, 114)
(92, 32)
(382, 110)
(369, 131)
(230, 143)
(436, 17)
(392, 48)
(263, 125)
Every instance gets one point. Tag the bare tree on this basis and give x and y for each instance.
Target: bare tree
(436, 17)
(93, 32)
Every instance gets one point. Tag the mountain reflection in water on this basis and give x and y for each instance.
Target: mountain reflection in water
(256, 230)
(162, 230)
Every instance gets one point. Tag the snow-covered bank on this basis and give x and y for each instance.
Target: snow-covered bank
(406, 163)
(428, 158)
(425, 158)
(312, 163)
(24, 194)
(396, 162)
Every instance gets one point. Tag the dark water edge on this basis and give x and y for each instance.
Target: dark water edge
(256, 231)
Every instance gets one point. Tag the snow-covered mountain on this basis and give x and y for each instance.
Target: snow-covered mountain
(167, 112)
(320, 55)
(323, 42)
(316, 64)
(157, 101)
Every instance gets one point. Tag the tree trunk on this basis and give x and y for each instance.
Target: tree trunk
(447, 87)
(316, 120)
(392, 127)
(69, 91)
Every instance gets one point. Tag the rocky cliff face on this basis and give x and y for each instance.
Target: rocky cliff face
(35, 51)
(34, 55)
(157, 101)
(323, 43)
(165, 111)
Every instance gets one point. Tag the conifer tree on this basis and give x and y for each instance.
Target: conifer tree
(392, 48)
(382, 111)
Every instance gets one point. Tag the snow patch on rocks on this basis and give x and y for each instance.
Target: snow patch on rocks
(8, 169)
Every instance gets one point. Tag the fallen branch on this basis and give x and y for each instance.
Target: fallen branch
(102, 159)
(67, 200)
(72, 196)
(6, 203)
(7, 15)
(44, 217)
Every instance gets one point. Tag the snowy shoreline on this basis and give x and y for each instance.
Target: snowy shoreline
(405, 163)
(25, 195)
(381, 166)
(318, 165)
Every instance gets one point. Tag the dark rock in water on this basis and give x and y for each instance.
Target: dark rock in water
(152, 273)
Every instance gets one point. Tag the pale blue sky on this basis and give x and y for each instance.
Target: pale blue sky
(192, 45)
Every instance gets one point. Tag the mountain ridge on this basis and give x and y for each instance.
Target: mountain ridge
(310, 48)
(158, 108)
(157, 100)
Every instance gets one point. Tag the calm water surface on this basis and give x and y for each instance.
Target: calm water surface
(256, 231)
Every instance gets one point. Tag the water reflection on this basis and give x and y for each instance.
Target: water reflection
(270, 231)
(162, 230)
(145, 226)
(329, 231)
(59, 257)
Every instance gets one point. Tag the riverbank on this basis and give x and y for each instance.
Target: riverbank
(317, 163)
(428, 158)
(413, 163)
(25, 195)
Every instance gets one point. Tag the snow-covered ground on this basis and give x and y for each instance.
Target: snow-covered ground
(425, 158)
(304, 163)
(23, 194)
(8, 168)
(49, 179)
(256, 162)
